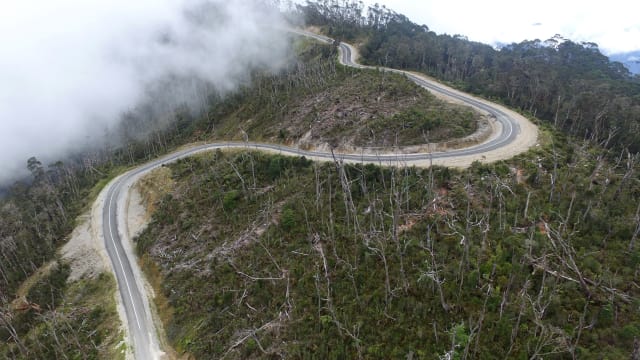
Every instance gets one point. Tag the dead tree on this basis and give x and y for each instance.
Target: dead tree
(433, 271)
(5, 321)
(636, 232)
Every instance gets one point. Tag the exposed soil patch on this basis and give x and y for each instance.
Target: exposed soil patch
(85, 255)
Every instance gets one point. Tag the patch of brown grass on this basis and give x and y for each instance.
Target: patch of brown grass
(163, 307)
(154, 186)
(20, 302)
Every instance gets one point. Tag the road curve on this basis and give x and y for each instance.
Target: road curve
(142, 333)
(513, 133)
(509, 140)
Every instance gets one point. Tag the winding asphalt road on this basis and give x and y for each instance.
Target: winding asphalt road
(142, 331)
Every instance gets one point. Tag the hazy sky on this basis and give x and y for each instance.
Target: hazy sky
(612, 24)
(70, 68)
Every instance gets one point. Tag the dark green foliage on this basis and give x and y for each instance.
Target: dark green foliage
(230, 200)
(48, 292)
(361, 260)
(288, 221)
(35, 218)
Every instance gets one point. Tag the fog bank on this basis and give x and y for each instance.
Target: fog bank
(70, 68)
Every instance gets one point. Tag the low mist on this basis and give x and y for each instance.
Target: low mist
(69, 69)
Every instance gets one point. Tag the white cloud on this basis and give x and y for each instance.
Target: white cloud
(69, 68)
(612, 24)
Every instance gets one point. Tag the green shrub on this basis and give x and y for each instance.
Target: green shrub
(230, 200)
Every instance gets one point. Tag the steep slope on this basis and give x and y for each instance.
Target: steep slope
(507, 128)
(269, 256)
(317, 103)
(64, 180)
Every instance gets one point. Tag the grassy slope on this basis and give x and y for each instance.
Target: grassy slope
(341, 106)
(289, 262)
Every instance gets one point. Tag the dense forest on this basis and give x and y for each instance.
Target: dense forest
(571, 85)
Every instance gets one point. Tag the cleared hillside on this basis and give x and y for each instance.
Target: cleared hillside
(317, 102)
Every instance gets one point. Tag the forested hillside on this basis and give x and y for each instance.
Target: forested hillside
(38, 214)
(265, 256)
(260, 256)
(571, 85)
(48, 317)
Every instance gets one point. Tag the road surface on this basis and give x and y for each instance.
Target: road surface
(508, 140)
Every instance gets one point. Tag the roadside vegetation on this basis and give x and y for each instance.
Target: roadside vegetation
(57, 319)
(43, 315)
(267, 256)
